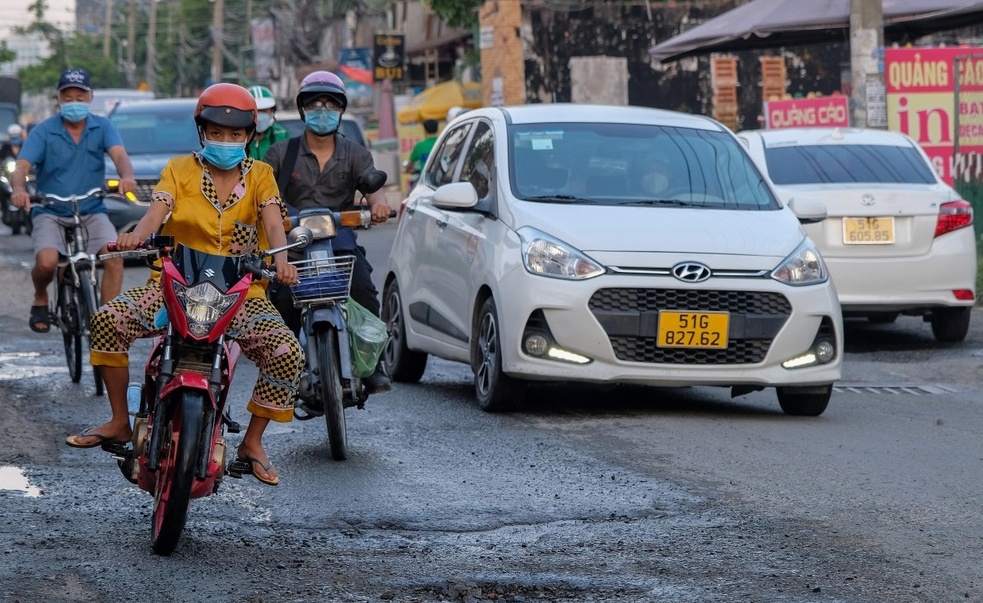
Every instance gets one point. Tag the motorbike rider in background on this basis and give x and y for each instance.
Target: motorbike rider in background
(224, 203)
(268, 132)
(10, 148)
(324, 173)
(67, 153)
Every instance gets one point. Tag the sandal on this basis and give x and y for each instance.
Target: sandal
(40, 321)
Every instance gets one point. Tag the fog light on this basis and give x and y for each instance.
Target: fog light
(825, 351)
(536, 345)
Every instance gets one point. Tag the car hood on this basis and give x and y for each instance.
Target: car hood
(146, 166)
(676, 231)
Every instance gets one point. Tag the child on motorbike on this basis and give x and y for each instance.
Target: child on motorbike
(221, 202)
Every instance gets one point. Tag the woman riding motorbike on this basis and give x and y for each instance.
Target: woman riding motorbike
(224, 203)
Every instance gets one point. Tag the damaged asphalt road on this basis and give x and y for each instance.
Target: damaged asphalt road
(619, 495)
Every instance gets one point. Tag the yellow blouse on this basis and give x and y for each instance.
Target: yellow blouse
(199, 220)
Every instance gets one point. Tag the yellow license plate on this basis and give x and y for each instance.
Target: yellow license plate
(868, 231)
(693, 329)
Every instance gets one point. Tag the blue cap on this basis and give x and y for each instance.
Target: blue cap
(74, 78)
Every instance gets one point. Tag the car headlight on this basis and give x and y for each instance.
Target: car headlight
(204, 305)
(322, 225)
(803, 267)
(547, 256)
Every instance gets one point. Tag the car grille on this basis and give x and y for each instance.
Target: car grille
(145, 189)
(630, 319)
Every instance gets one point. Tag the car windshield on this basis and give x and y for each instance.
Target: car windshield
(633, 164)
(847, 164)
(150, 127)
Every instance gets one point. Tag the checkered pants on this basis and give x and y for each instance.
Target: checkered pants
(257, 327)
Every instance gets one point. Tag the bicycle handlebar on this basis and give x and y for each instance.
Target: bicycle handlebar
(47, 199)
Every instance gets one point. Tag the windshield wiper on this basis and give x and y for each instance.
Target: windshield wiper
(673, 202)
(568, 199)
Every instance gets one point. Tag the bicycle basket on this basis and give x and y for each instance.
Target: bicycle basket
(322, 279)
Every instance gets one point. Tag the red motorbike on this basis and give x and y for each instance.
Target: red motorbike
(178, 449)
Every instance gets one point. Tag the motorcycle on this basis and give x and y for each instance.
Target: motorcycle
(17, 218)
(178, 450)
(330, 383)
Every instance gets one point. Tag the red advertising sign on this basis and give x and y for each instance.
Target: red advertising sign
(920, 85)
(825, 111)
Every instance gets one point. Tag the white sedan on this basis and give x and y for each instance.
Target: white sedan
(576, 243)
(897, 240)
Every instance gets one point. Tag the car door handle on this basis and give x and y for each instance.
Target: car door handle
(442, 223)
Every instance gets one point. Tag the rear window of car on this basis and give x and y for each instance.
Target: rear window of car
(634, 164)
(847, 164)
(150, 128)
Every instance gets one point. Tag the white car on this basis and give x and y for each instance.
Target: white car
(897, 239)
(543, 243)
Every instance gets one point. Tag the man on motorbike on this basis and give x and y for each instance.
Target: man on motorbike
(15, 137)
(67, 153)
(268, 132)
(323, 172)
(224, 203)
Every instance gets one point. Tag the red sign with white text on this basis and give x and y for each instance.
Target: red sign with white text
(920, 85)
(825, 111)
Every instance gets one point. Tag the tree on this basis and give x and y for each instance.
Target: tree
(456, 13)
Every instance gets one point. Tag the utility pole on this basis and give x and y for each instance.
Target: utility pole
(131, 43)
(867, 63)
(218, 26)
(150, 76)
(107, 29)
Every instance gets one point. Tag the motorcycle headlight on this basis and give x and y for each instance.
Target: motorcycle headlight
(322, 226)
(547, 256)
(11, 166)
(203, 305)
(803, 267)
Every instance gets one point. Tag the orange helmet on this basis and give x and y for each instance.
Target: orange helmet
(227, 105)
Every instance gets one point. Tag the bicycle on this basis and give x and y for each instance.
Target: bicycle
(77, 287)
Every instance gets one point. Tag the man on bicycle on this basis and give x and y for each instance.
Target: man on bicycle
(323, 172)
(67, 153)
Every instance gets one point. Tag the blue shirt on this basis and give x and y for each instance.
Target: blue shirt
(65, 168)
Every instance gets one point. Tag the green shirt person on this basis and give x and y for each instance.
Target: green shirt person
(421, 150)
(268, 131)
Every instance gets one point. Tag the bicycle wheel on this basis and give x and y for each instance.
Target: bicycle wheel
(89, 295)
(71, 332)
(176, 475)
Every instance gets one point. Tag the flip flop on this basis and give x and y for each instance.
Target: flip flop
(243, 465)
(40, 319)
(101, 440)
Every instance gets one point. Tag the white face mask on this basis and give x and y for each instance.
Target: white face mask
(263, 122)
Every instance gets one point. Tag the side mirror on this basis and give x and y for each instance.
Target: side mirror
(371, 181)
(807, 209)
(300, 237)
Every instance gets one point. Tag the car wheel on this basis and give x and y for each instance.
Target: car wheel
(950, 325)
(494, 390)
(403, 364)
(804, 402)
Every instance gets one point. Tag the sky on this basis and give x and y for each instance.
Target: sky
(13, 13)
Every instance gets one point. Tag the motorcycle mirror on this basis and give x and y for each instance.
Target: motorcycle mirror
(371, 181)
(301, 236)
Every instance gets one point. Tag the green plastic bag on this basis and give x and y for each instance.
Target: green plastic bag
(367, 336)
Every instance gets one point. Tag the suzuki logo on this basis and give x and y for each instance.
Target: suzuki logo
(209, 272)
(691, 272)
(867, 200)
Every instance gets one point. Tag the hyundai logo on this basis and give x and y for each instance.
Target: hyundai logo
(691, 272)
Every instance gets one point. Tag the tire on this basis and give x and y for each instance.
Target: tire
(402, 364)
(804, 402)
(950, 325)
(332, 395)
(495, 391)
(70, 319)
(90, 302)
(176, 475)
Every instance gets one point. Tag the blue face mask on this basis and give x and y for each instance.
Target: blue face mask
(263, 122)
(75, 112)
(15, 141)
(224, 155)
(322, 121)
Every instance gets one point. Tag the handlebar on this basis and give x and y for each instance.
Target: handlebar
(153, 247)
(49, 199)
